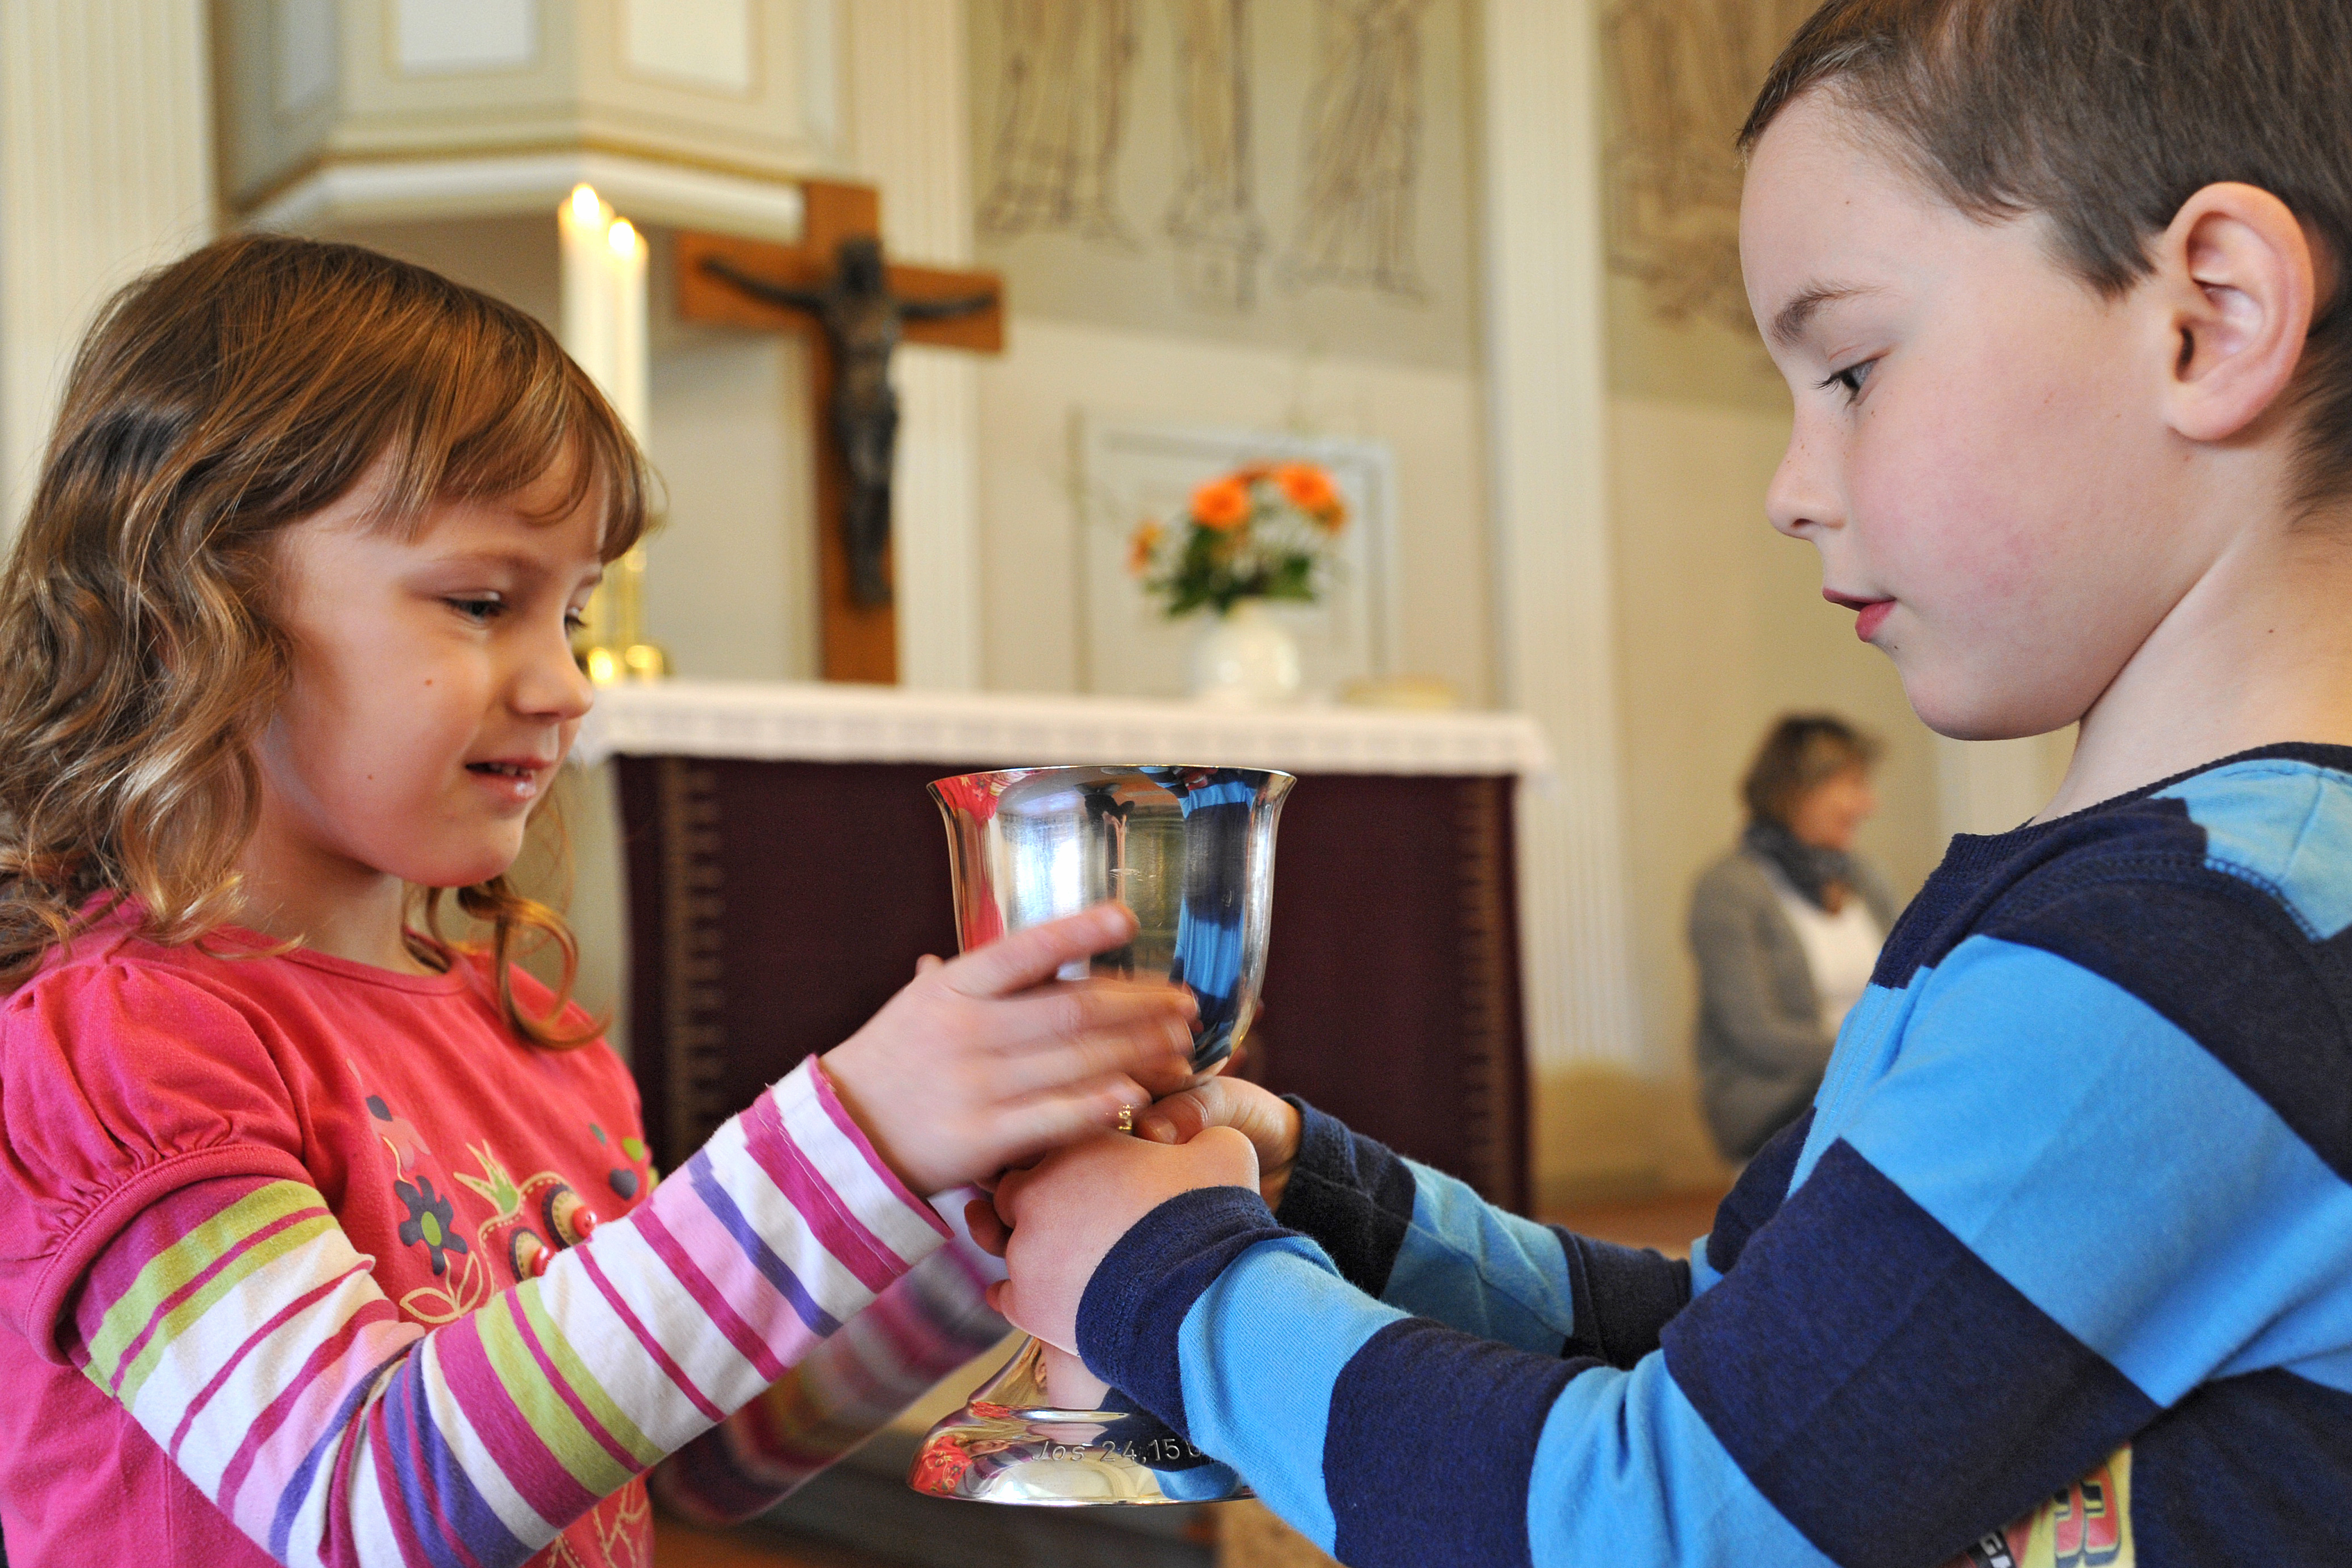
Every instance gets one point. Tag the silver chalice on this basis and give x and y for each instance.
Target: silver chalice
(1191, 852)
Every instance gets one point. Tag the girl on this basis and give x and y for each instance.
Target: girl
(323, 1238)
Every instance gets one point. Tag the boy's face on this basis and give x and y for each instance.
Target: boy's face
(1979, 452)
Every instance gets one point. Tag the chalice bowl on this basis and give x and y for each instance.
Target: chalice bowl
(1191, 852)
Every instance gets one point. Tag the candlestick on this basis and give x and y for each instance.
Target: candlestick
(605, 330)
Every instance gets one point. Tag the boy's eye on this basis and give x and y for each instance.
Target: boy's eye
(480, 608)
(1850, 378)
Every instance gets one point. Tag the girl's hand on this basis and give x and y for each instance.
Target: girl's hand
(1262, 1117)
(982, 1063)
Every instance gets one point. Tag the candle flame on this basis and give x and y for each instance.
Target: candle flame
(586, 207)
(622, 237)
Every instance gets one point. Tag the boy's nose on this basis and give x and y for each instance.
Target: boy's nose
(1798, 501)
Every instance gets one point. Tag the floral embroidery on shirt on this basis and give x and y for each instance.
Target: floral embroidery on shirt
(399, 1136)
(431, 1222)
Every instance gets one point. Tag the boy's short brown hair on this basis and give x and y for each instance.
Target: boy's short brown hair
(2107, 116)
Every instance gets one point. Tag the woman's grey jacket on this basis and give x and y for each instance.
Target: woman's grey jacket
(1761, 1047)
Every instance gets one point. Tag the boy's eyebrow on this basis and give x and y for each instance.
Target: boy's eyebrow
(1790, 324)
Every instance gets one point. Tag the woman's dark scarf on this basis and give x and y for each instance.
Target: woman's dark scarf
(1812, 871)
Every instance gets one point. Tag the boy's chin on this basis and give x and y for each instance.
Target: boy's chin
(1961, 709)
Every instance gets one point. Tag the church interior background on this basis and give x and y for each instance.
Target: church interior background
(1489, 243)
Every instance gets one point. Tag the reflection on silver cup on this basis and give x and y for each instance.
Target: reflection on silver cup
(1191, 850)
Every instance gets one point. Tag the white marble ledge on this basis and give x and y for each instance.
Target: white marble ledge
(791, 721)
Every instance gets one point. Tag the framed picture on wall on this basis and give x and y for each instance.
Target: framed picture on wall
(1134, 471)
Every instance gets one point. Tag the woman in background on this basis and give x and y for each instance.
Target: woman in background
(1786, 929)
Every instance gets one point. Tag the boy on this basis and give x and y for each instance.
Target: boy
(2058, 1269)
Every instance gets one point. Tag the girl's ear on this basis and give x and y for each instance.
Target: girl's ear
(2239, 282)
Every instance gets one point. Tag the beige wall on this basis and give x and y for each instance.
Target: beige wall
(1052, 371)
(1721, 628)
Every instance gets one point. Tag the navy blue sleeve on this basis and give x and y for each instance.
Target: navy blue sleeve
(1419, 1239)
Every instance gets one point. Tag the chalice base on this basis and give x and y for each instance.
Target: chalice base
(1011, 1443)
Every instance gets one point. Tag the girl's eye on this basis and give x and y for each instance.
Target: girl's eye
(1852, 378)
(575, 621)
(480, 609)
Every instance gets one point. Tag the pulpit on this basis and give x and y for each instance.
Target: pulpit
(785, 868)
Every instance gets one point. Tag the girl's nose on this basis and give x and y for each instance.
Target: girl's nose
(551, 682)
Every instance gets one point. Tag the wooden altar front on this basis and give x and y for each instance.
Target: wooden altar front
(786, 867)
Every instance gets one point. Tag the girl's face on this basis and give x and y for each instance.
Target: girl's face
(433, 690)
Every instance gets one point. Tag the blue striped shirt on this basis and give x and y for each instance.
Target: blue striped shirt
(2056, 1272)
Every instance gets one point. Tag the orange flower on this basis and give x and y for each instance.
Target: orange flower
(1140, 548)
(1311, 491)
(1222, 503)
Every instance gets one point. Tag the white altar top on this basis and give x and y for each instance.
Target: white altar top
(806, 722)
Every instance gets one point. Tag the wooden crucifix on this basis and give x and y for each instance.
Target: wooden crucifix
(834, 288)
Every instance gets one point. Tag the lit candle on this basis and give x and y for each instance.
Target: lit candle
(628, 388)
(587, 283)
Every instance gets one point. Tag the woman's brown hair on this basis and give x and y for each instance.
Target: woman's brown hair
(215, 402)
(1799, 753)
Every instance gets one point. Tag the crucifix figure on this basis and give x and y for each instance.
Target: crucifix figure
(862, 321)
(861, 308)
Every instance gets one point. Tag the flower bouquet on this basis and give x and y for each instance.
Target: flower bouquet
(1262, 532)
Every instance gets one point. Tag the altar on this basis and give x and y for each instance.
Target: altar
(785, 867)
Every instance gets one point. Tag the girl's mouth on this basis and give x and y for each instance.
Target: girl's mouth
(520, 780)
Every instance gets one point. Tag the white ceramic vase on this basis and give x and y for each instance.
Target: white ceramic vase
(1245, 658)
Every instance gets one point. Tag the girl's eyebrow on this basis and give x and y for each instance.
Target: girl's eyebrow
(519, 564)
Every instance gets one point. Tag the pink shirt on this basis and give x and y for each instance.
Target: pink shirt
(456, 1158)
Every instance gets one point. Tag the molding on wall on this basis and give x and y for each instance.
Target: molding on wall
(910, 134)
(645, 190)
(815, 722)
(1547, 428)
(106, 139)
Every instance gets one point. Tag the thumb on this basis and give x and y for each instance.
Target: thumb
(1228, 1157)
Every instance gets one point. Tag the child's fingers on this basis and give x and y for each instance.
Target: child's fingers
(1038, 1124)
(989, 1232)
(1159, 1049)
(1047, 1016)
(1026, 958)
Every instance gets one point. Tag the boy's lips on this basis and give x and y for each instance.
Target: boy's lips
(1874, 612)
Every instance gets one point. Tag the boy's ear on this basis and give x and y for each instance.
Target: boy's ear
(2239, 282)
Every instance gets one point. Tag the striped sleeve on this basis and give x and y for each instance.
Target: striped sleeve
(1422, 1242)
(1982, 1288)
(933, 1320)
(236, 1322)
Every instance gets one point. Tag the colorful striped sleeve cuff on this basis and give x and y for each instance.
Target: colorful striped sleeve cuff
(933, 1320)
(238, 1326)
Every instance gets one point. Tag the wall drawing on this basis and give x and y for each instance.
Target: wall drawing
(1682, 75)
(1062, 102)
(1363, 148)
(1216, 232)
(1288, 174)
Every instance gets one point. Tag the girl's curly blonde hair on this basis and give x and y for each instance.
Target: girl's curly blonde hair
(215, 402)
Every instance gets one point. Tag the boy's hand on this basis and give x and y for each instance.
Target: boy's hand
(1261, 1116)
(1070, 1210)
(982, 1063)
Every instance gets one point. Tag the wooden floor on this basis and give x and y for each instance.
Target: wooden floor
(681, 1545)
(1669, 1223)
